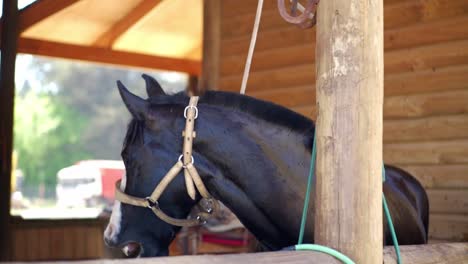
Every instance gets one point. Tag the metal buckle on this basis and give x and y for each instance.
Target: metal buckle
(201, 220)
(180, 159)
(210, 203)
(187, 108)
(152, 203)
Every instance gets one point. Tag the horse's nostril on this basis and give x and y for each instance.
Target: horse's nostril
(132, 250)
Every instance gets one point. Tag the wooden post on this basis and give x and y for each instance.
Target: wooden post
(192, 85)
(349, 128)
(211, 45)
(7, 91)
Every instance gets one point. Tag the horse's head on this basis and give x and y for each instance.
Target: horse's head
(149, 152)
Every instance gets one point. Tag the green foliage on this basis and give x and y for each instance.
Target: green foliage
(68, 111)
(47, 137)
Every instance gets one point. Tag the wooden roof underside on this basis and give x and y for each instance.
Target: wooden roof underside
(156, 34)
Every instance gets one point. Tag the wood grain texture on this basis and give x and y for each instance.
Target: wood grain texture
(440, 176)
(426, 81)
(399, 61)
(449, 127)
(396, 15)
(43, 244)
(231, 8)
(349, 128)
(422, 81)
(420, 34)
(427, 33)
(272, 79)
(444, 253)
(412, 12)
(430, 254)
(269, 59)
(19, 252)
(448, 201)
(426, 57)
(289, 97)
(425, 105)
(241, 25)
(427, 153)
(453, 227)
(40, 240)
(283, 37)
(396, 108)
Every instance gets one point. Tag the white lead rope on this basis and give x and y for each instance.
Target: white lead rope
(245, 77)
(253, 40)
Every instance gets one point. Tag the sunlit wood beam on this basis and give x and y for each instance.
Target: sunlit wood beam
(125, 23)
(107, 56)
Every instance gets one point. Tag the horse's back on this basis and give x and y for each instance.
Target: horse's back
(409, 207)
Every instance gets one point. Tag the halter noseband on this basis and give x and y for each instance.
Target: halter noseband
(192, 178)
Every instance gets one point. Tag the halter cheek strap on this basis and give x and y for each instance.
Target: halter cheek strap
(192, 178)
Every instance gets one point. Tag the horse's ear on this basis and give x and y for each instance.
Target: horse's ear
(153, 88)
(137, 106)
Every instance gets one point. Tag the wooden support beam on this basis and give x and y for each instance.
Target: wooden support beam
(349, 128)
(103, 55)
(211, 45)
(7, 93)
(125, 23)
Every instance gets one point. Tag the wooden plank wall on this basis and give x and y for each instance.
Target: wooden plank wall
(426, 89)
(39, 240)
(83, 239)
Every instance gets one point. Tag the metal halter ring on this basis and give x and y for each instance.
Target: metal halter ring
(187, 108)
(201, 220)
(210, 203)
(151, 203)
(180, 159)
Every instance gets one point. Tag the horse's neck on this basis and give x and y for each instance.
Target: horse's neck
(262, 168)
(235, 138)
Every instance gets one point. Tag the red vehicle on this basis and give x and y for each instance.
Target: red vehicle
(88, 183)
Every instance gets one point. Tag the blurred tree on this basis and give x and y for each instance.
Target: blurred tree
(47, 134)
(90, 89)
(67, 111)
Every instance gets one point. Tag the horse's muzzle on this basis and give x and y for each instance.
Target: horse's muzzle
(132, 250)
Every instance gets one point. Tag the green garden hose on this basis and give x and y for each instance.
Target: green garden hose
(327, 250)
(340, 256)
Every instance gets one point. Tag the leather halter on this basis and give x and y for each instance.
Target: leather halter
(192, 178)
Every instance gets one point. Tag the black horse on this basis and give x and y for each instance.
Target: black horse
(252, 155)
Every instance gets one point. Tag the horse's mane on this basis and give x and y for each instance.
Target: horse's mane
(267, 111)
(134, 133)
